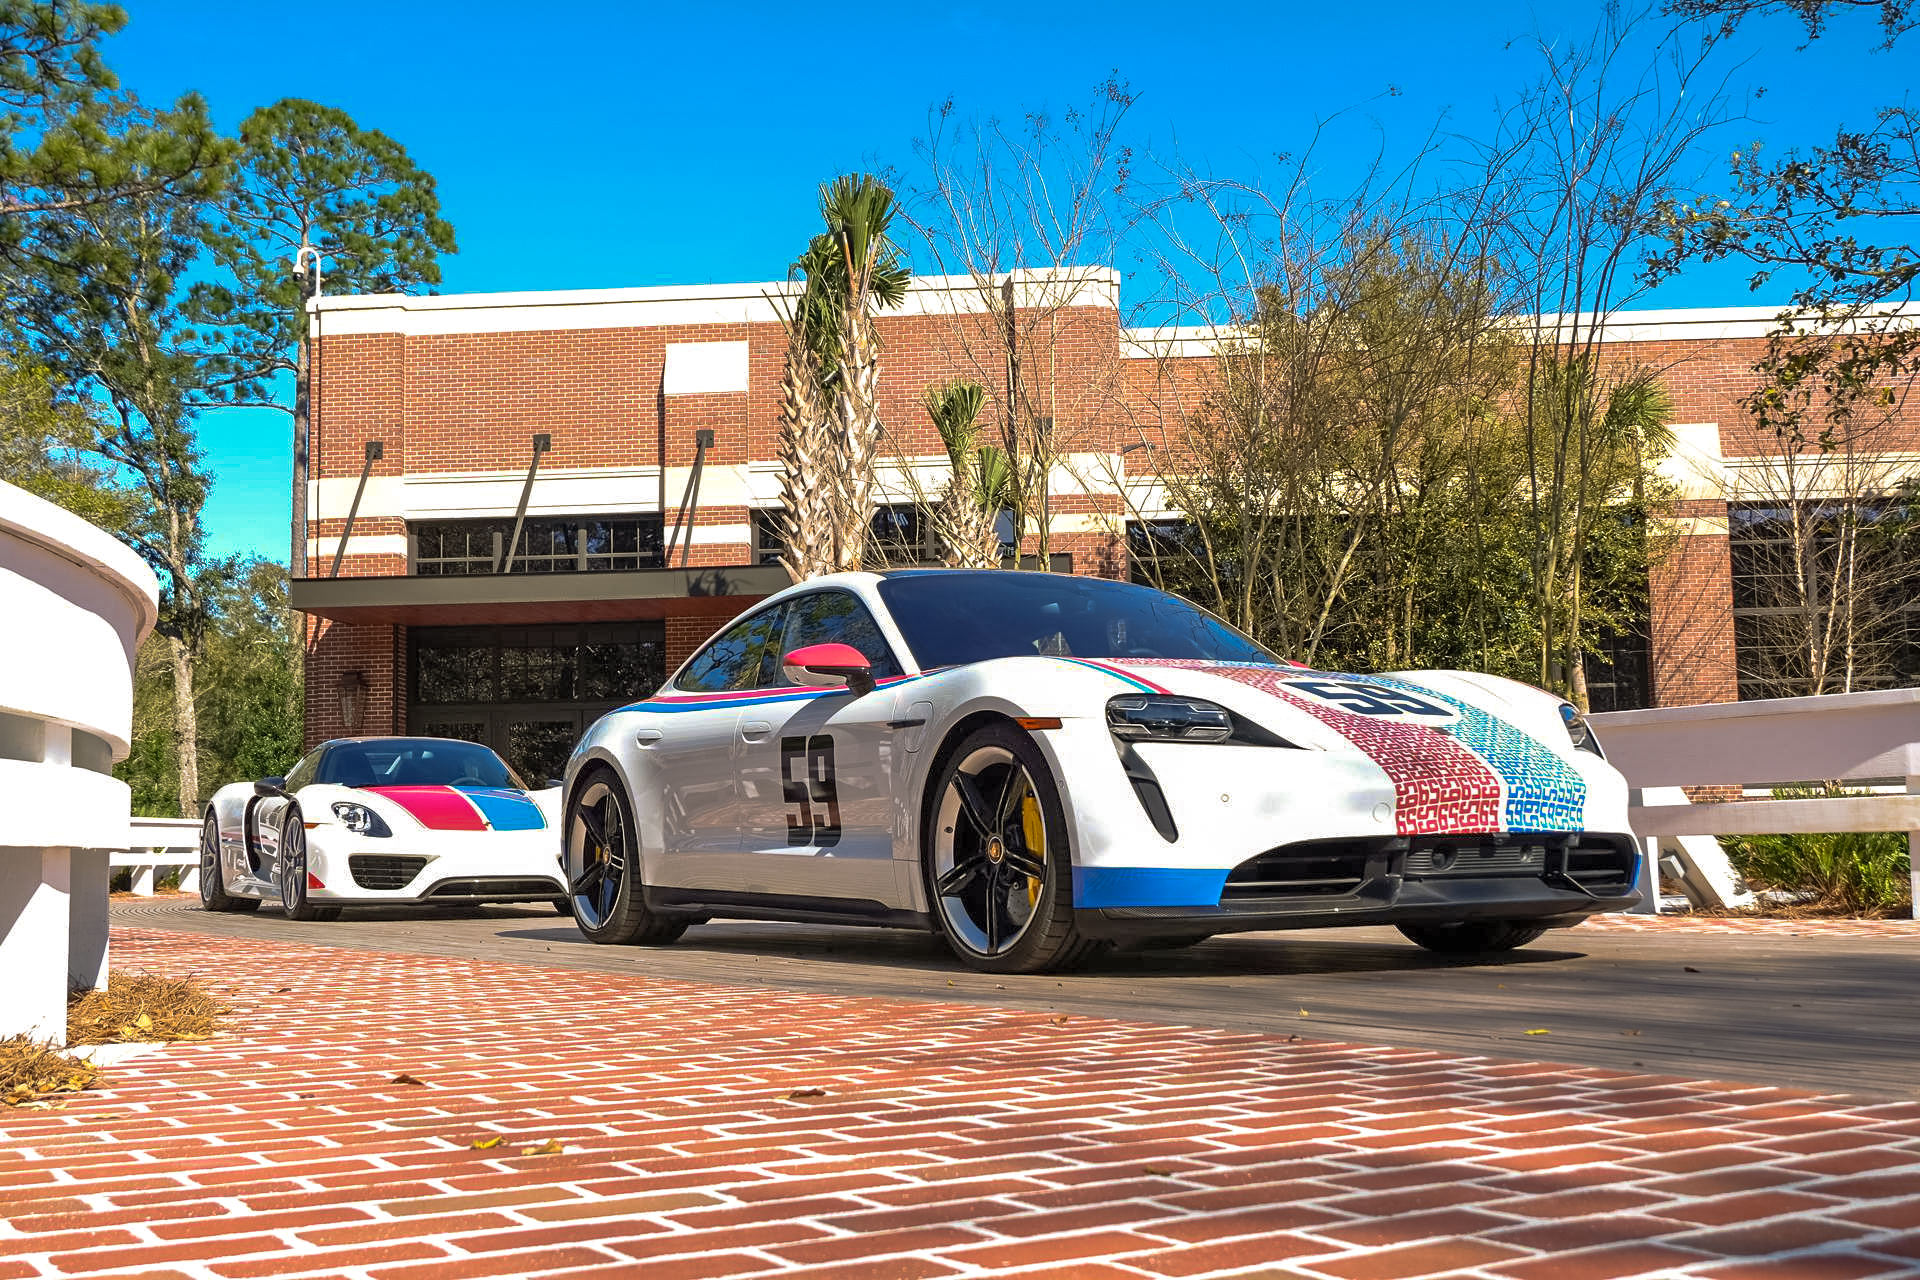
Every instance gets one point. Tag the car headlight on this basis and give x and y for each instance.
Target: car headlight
(1138, 717)
(1579, 730)
(360, 820)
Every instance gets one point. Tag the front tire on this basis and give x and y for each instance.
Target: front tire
(995, 857)
(213, 876)
(1473, 937)
(606, 892)
(293, 873)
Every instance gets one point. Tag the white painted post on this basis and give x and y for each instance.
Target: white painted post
(90, 878)
(34, 889)
(143, 881)
(1913, 850)
(190, 879)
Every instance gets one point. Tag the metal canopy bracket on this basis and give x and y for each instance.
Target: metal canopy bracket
(542, 443)
(689, 499)
(376, 450)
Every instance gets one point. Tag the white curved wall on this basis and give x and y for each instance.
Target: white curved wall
(74, 607)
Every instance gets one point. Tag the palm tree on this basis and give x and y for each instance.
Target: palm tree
(830, 419)
(967, 518)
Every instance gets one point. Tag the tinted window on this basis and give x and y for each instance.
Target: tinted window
(415, 762)
(835, 617)
(961, 616)
(301, 774)
(733, 660)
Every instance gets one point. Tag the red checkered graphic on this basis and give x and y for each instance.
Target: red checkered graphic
(1438, 785)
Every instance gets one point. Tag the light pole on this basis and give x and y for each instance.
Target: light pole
(306, 259)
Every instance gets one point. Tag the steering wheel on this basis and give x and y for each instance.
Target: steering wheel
(1144, 653)
(468, 780)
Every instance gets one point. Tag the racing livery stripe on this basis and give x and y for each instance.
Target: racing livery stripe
(505, 809)
(1544, 792)
(676, 702)
(1439, 785)
(1146, 686)
(1147, 886)
(436, 808)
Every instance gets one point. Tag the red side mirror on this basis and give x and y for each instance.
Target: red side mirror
(829, 664)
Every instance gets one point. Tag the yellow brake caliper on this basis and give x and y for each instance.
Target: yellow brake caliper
(1035, 832)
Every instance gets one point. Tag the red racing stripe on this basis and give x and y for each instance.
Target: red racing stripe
(437, 808)
(1439, 786)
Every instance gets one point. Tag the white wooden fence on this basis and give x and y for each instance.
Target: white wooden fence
(153, 843)
(1857, 738)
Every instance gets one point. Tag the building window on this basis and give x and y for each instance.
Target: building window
(1619, 678)
(530, 692)
(769, 539)
(548, 544)
(1826, 596)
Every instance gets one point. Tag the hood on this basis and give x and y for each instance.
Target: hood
(1461, 757)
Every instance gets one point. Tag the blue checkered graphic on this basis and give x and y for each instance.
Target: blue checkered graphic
(1543, 791)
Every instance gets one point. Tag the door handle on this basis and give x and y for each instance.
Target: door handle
(646, 737)
(755, 730)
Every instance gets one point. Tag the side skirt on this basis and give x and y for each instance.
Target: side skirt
(788, 908)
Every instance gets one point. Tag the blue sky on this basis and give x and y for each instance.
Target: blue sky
(605, 145)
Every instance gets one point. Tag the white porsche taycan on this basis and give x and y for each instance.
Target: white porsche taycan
(1032, 764)
(381, 822)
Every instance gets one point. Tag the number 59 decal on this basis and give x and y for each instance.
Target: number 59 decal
(807, 781)
(1369, 699)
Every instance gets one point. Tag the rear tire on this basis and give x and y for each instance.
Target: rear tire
(995, 857)
(213, 876)
(293, 873)
(608, 897)
(1473, 937)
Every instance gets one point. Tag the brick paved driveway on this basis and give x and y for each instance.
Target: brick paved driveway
(944, 1140)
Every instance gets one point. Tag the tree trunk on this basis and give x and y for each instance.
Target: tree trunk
(186, 725)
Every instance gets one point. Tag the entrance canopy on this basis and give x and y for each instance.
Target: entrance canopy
(537, 597)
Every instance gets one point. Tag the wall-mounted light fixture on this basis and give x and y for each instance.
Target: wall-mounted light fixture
(353, 701)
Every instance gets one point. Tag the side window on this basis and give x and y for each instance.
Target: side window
(302, 774)
(836, 617)
(732, 661)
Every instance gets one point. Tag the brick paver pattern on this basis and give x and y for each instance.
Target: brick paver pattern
(714, 1131)
(1757, 926)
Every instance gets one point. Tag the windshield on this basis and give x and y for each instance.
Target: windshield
(955, 617)
(415, 762)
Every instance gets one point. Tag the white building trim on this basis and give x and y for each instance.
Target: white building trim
(720, 304)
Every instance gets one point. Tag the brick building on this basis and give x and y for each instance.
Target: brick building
(630, 437)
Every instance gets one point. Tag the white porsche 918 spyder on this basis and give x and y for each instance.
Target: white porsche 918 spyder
(1032, 764)
(379, 822)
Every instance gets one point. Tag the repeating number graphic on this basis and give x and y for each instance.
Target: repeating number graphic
(1370, 699)
(815, 818)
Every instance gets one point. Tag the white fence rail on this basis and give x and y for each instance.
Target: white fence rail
(153, 843)
(1858, 738)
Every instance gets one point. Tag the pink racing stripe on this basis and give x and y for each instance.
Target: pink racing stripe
(437, 808)
(1439, 786)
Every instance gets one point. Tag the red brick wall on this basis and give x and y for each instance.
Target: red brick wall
(378, 653)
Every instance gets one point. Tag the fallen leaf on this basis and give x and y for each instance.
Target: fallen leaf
(807, 1093)
(486, 1144)
(1292, 1038)
(551, 1147)
(1059, 1021)
(1689, 968)
(404, 1078)
(280, 991)
(143, 1023)
(1158, 1172)
(1629, 1033)
(1305, 1014)
(1539, 1031)
(949, 981)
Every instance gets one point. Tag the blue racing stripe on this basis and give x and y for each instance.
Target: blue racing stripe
(1147, 886)
(505, 810)
(1543, 792)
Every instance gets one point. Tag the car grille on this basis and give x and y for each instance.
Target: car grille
(1434, 857)
(496, 889)
(1313, 869)
(383, 871)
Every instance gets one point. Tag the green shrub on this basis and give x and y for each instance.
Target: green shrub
(1861, 873)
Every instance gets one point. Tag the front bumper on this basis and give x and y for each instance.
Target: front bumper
(1386, 881)
(450, 867)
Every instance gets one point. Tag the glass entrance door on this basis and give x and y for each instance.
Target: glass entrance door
(529, 692)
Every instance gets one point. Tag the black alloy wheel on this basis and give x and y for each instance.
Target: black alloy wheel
(604, 885)
(998, 869)
(293, 873)
(213, 880)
